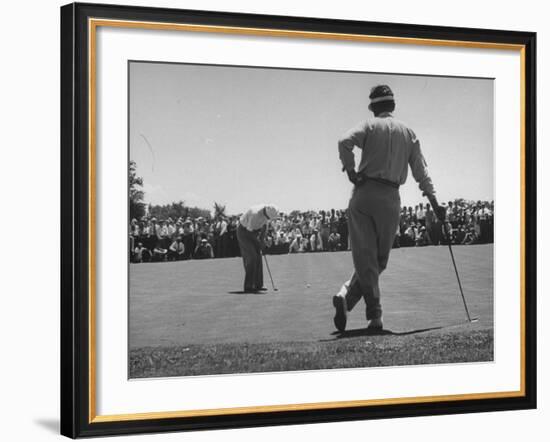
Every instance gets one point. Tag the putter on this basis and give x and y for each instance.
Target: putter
(470, 319)
(270, 277)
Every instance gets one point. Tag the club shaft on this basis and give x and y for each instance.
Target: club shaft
(458, 279)
(269, 271)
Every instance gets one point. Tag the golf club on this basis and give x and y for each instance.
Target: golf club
(470, 319)
(270, 277)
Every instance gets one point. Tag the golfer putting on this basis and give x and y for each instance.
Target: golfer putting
(388, 148)
(251, 235)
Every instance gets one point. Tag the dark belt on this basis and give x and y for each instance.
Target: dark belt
(381, 181)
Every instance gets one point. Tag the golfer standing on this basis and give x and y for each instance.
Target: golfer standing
(251, 235)
(388, 148)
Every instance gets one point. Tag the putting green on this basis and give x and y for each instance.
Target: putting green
(197, 302)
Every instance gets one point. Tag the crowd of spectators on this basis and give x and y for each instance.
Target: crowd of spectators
(153, 239)
(466, 222)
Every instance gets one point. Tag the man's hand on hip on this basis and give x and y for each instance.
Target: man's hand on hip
(354, 177)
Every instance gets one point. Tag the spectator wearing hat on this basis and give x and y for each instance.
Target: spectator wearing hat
(304, 245)
(430, 220)
(295, 244)
(410, 235)
(268, 242)
(188, 235)
(148, 237)
(334, 241)
(460, 234)
(176, 250)
(316, 241)
(421, 214)
(204, 250)
(179, 229)
(421, 237)
(470, 237)
(233, 244)
(161, 230)
(171, 228)
(250, 234)
(447, 232)
(141, 254)
(222, 237)
(484, 214)
(159, 253)
(134, 229)
(324, 231)
(343, 231)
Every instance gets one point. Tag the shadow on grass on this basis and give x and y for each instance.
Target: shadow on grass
(376, 332)
(242, 292)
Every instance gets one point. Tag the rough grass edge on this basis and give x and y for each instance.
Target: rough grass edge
(355, 352)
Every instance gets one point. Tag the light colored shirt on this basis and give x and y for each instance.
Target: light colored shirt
(222, 227)
(430, 217)
(177, 247)
(294, 246)
(451, 213)
(484, 213)
(316, 242)
(171, 230)
(388, 148)
(254, 218)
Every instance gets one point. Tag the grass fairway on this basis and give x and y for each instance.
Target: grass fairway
(188, 318)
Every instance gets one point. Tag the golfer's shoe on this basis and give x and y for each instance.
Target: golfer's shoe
(263, 289)
(249, 290)
(341, 315)
(375, 324)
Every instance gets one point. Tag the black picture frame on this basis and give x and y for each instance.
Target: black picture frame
(75, 221)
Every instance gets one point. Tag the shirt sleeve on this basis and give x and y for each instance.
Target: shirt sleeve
(419, 167)
(352, 138)
(244, 221)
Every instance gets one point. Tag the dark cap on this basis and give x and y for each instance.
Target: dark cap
(380, 93)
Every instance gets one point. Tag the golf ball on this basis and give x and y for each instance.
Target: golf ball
(308, 286)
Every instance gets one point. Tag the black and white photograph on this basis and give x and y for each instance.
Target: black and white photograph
(296, 219)
(274, 221)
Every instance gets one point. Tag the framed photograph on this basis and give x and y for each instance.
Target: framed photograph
(273, 220)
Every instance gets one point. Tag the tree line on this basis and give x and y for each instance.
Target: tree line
(138, 207)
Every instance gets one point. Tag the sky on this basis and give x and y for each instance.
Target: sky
(242, 136)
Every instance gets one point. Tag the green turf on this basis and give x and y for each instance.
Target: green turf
(187, 319)
(366, 351)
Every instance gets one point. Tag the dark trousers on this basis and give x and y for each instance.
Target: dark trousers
(222, 243)
(174, 256)
(436, 233)
(189, 244)
(251, 252)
